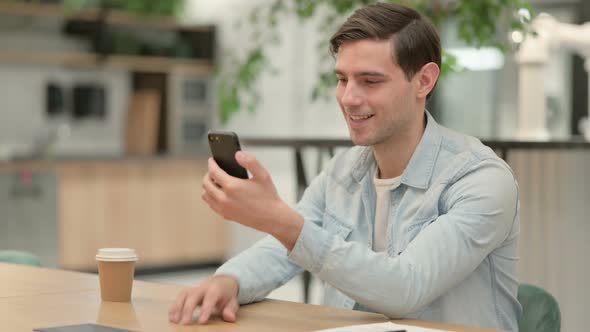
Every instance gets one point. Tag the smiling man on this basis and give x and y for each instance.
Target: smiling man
(416, 221)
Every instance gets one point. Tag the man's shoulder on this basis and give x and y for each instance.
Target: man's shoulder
(465, 152)
(454, 144)
(465, 166)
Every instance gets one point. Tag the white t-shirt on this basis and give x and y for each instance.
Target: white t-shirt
(383, 187)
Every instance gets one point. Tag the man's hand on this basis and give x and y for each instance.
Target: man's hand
(253, 202)
(218, 292)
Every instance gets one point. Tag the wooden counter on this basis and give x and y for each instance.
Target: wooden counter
(152, 205)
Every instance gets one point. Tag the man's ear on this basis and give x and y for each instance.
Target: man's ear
(426, 79)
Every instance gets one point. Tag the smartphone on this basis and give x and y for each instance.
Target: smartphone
(224, 145)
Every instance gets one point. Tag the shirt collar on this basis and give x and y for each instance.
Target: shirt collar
(420, 167)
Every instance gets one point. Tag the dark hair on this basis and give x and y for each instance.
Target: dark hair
(415, 40)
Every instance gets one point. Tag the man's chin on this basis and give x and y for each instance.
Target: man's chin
(360, 141)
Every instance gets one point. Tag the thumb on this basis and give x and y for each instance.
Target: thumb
(250, 163)
(230, 310)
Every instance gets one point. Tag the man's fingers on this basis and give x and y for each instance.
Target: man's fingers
(191, 302)
(174, 314)
(250, 163)
(217, 174)
(214, 205)
(230, 311)
(208, 305)
(215, 293)
(214, 191)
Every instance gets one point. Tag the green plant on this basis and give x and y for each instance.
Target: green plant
(478, 24)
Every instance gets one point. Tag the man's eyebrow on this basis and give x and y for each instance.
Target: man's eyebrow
(362, 73)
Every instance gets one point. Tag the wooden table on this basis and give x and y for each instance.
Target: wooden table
(34, 297)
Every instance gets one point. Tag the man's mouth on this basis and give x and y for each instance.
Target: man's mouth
(359, 118)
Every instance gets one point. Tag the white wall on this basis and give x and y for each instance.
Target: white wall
(286, 108)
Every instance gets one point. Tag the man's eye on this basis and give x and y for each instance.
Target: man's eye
(371, 82)
(342, 80)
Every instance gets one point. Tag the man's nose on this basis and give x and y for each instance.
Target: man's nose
(351, 96)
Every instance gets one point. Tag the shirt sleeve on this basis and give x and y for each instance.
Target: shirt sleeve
(482, 207)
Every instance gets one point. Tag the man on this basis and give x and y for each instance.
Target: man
(415, 222)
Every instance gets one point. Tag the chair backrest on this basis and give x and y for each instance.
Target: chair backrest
(540, 310)
(19, 257)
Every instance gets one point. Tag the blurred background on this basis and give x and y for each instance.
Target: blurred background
(105, 106)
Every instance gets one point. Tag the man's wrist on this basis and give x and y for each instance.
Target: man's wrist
(231, 282)
(288, 226)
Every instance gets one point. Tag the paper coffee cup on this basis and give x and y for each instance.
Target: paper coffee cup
(116, 267)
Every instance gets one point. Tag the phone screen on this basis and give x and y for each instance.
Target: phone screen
(224, 146)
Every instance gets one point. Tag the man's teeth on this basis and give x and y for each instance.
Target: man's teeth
(359, 117)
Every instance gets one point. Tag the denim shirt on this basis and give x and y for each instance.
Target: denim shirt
(452, 237)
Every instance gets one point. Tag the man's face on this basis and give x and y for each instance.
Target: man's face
(377, 101)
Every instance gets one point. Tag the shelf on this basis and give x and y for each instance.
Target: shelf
(133, 63)
(114, 17)
(43, 10)
(156, 64)
(159, 64)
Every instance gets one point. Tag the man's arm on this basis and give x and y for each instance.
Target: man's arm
(251, 275)
(265, 266)
(483, 206)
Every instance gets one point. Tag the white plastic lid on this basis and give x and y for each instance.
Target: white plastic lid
(116, 255)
